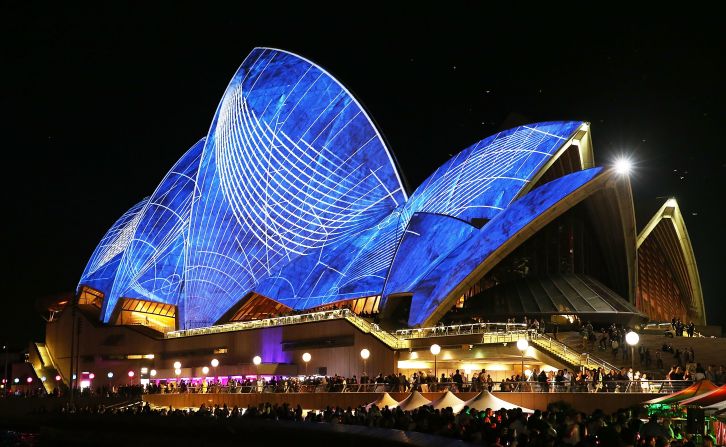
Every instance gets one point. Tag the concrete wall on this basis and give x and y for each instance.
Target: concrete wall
(98, 342)
(587, 402)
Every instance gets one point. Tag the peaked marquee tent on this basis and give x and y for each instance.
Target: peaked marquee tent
(715, 398)
(413, 401)
(383, 401)
(697, 389)
(448, 399)
(485, 400)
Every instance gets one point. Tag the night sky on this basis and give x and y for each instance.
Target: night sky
(97, 104)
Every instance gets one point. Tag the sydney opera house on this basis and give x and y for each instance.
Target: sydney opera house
(288, 229)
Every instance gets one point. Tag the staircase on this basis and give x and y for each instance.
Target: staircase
(43, 365)
(708, 351)
(566, 354)
(369, 328)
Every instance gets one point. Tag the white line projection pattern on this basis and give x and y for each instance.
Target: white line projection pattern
(294, 195)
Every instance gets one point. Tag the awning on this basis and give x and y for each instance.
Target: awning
(712, 398)
(697, 389)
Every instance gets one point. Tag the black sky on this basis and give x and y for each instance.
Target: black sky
(98, 103)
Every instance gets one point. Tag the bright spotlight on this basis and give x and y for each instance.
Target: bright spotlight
(632, 338)
(205, 370)
(522, 344)
(215, 363)
(623, 166)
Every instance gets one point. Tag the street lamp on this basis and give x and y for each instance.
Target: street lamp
(632, 339)
(131, 377)
(522, 345)
(257, 360)
(5, 376)
(152, 373)
(177, 371)
(177, 365)
(215, 364)
(306, 358)
(364, 354)
(435, 349)
(205, 370)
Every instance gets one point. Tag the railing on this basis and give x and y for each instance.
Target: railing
(667, 327)
(258, 324)
(371, 328)
(570, 355)
(550, 386)
(611, 386)
(463, 329)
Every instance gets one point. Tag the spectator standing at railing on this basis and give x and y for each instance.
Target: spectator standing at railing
(542, 380)
(458, 380)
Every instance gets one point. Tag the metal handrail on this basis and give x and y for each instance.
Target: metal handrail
(258, 324)
(530, 386)
(461, 329)
(386, 337)
(573, 356)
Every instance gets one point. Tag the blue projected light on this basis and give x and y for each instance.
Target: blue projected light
(294, 195)
(292, 165)
(428, 239)
(452, 270)
(103, 265)
(152, 264)
(484, 178)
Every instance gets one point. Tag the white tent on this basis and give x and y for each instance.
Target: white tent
(485, 400)
(448, 399)
(413, 401)
(384, 400)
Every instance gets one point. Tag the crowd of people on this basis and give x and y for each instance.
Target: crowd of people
(540, 380)
(679, 327)
(559, 425)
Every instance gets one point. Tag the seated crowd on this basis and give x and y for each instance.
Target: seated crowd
(558, 425)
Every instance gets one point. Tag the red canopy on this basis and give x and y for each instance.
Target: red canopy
(707, 399)
(698, 388)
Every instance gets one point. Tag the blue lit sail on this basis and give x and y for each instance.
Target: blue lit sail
(101, 268)
(294, 195)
